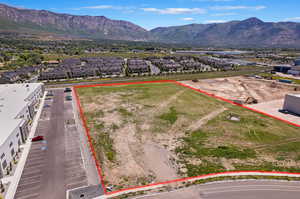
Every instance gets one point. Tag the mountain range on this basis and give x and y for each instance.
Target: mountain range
(251, 32)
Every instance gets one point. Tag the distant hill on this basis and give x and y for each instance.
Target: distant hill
(248, 33)
(251, 32)
(42, 21)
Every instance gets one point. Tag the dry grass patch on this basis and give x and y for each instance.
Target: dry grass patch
(156, 132)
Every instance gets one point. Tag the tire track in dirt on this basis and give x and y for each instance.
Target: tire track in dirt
(166, 103)
(158, 160)
(128, 153)
(198, 124)
(287, 141)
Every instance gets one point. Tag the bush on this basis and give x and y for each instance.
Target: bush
(171, 116)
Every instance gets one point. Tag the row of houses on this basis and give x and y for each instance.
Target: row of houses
(20, 74)
(113, 67)
(18, 106)
(167, 65)
(85, 67)
(193, 64)
(218, 63)
(137, 66)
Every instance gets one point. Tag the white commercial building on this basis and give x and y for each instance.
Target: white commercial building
(292, 103)
(295, 70)
(18, 105)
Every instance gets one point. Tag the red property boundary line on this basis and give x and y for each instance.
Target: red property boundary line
(99, 170)
(87, 131)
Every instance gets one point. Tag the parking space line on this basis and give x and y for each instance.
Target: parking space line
(29, 185)
(35, 158)
(27, 191)
(28, 196)
(31, 173)
(31, 180)
(39, 166)
(77, 184)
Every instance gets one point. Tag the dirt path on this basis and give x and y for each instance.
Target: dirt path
(128, 152)
(157, 159)
(226, 164)
(166, 103)
(287, 141)
(196, 125)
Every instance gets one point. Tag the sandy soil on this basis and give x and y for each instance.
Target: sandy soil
(240, 88)
(158, 159)
(141, 155)
(196, 125)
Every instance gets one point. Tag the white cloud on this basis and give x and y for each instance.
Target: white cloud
(238, 7)
(98, 7)
(223, 14)
(175, 11)
(102, 7)
(188, 19)
(215, 21)
(293, 19)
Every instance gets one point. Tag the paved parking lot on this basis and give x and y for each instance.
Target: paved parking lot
(55, 164)
(75, 174)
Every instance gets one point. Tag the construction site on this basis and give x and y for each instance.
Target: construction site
(246, 90)
(146, 133)
(263, 95)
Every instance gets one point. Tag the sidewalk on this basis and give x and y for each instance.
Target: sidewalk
(272, 108)
(203, 177)
(88, 160)
(14, 180)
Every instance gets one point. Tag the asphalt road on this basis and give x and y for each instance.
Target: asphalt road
(55, 153)
(235, 190)
(55, 164)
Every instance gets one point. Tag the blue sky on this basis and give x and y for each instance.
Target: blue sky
(157, 13)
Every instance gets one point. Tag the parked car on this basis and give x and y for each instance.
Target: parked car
(68, 98)
(50, 94)
(283, 111)
(47, 106)
(67, 90)
(37, 138)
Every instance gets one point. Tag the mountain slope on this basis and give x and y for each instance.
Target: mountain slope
(248, 33)
(85, 26)
(251, 32)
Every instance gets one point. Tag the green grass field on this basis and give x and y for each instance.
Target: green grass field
(130, 117)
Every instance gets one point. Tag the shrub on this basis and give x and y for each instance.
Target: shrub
(171, 116)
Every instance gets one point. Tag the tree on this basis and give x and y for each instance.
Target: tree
(6, 57)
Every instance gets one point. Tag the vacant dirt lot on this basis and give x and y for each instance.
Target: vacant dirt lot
(270, 94)
(143, 124)
(240, 88)
(157, 132)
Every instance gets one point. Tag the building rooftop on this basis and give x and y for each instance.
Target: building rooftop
(296, 95)
(13, 99)
(8, 128)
